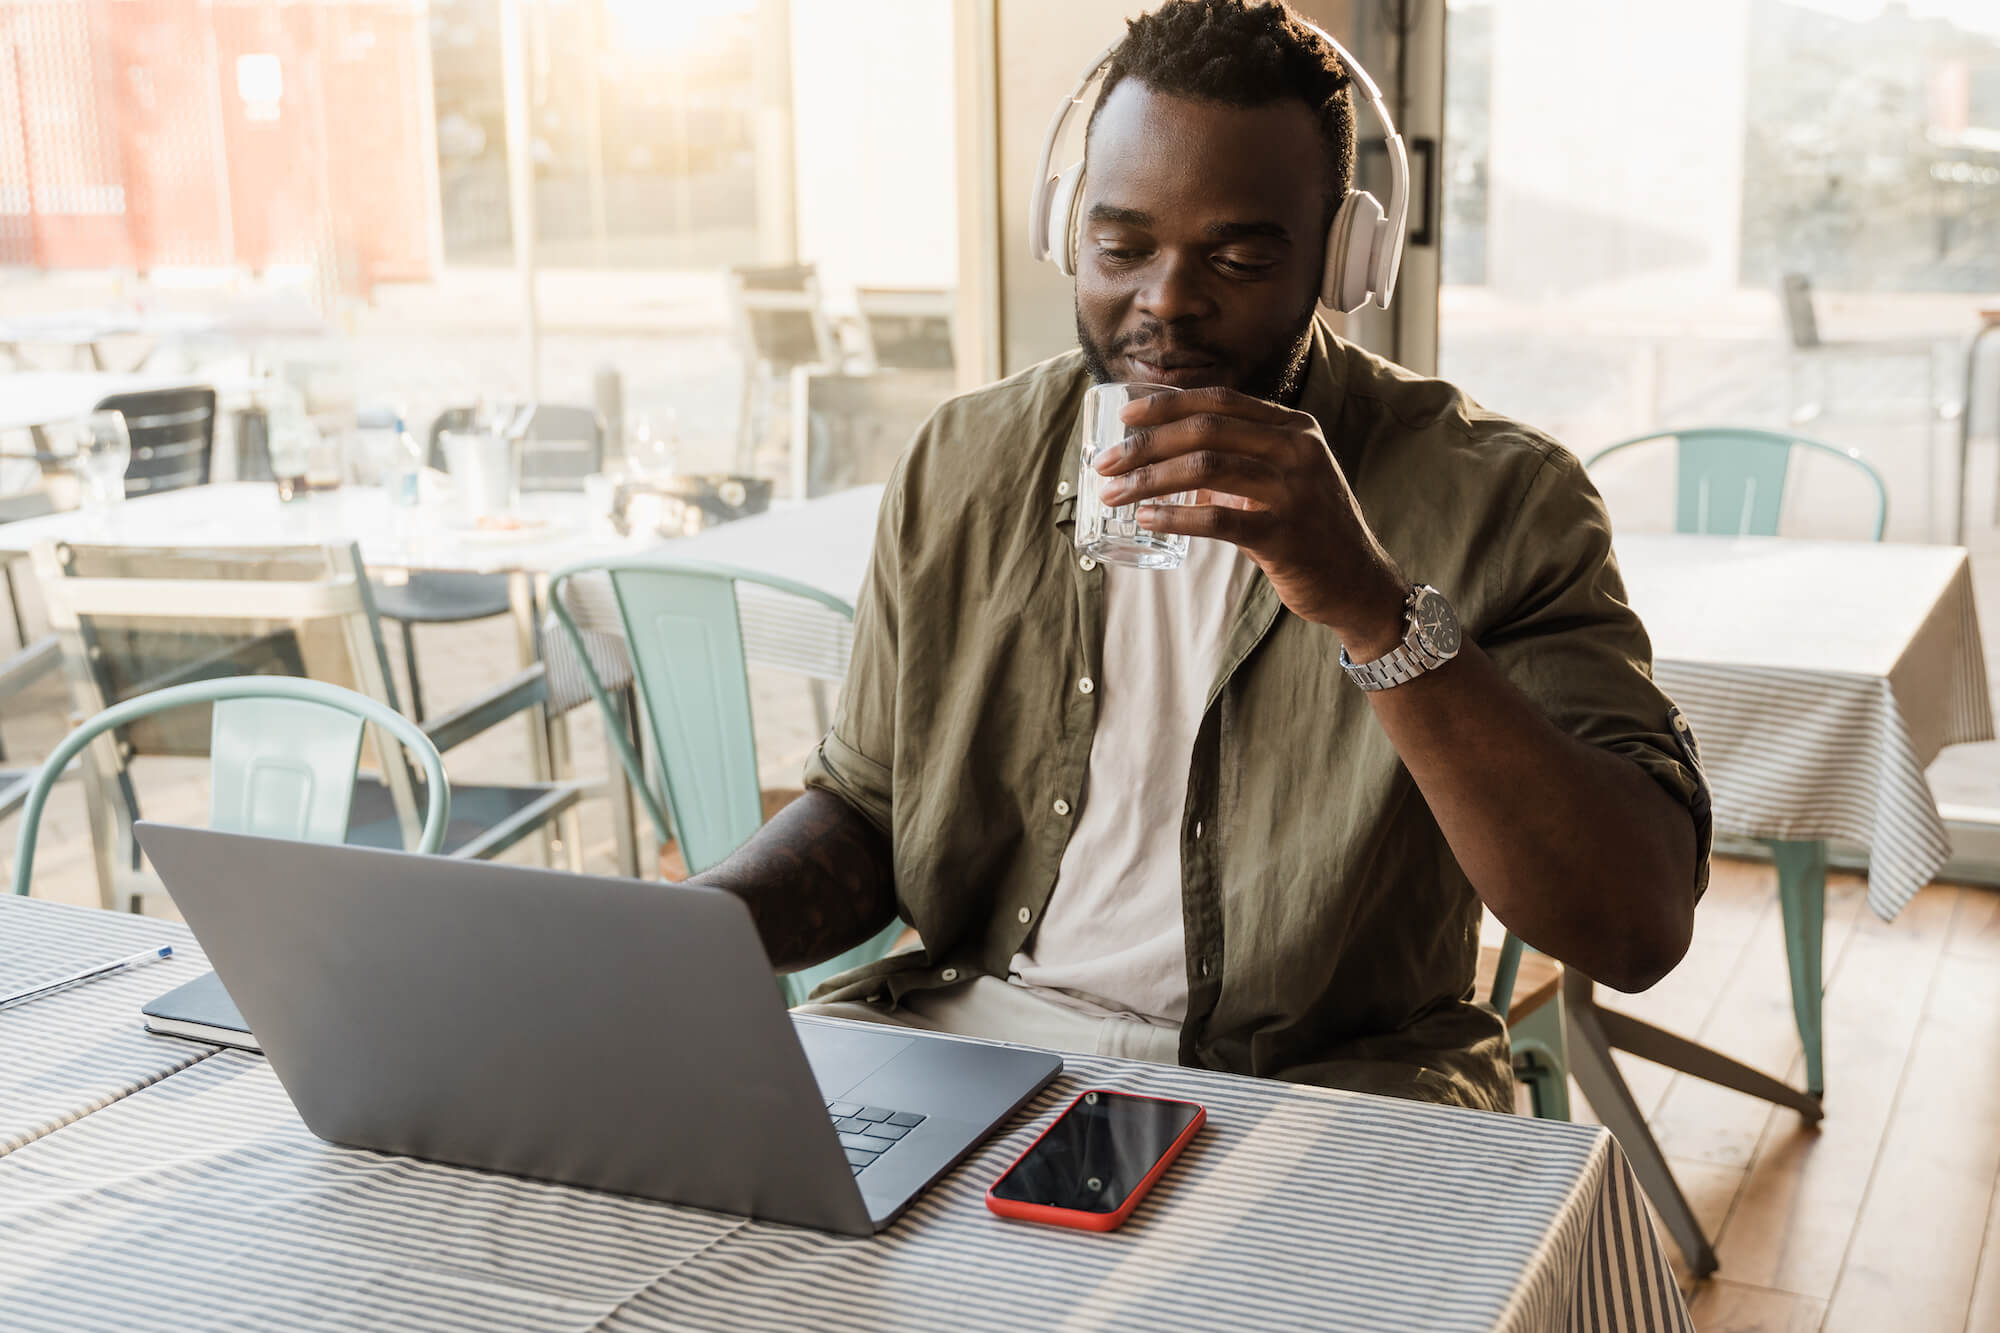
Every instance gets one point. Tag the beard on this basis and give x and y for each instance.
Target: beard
(1276, 373)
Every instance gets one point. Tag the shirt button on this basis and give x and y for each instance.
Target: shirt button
(1086, 685)
(1197, 828)
(1024, 915)
(1062, 488)
(1202, 967)
(949, 974)
(1088, 564)
(1062, 806)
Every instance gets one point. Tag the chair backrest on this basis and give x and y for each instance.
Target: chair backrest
(135, 620)
(685, 640)
(282, 761)
(563, 445)
(1730, 480)
(906, 328)
(173, 437)
(1800, 321)
(780, 320)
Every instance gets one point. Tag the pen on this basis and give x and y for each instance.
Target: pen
(88, 974)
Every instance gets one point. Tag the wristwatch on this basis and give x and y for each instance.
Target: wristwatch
(1430, 639)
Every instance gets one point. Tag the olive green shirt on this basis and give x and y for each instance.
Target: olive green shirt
(1331, 936)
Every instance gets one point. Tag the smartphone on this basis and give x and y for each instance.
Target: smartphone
(1092, 1166)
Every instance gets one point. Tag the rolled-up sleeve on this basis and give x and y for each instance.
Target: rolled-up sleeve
(854, 760)
(1567, 639)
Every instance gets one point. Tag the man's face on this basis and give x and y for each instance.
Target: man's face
(1203, 232)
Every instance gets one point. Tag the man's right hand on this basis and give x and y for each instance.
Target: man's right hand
(818, 880)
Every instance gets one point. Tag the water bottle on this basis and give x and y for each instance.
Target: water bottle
(404, 475)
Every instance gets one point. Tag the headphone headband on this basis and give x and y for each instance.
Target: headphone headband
(1351, 277)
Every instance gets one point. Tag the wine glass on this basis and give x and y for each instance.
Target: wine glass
(651, 446)
(103, 452)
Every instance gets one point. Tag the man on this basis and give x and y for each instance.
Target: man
(1150, 813)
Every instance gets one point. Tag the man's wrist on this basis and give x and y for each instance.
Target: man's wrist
(1378, 629)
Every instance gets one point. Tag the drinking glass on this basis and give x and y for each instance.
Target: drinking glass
(650, 442)
(485, 472)
(103, 452)
(1111, 534)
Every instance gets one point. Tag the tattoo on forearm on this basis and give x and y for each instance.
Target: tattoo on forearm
(817, 878)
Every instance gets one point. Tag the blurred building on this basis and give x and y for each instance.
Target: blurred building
(244, 134)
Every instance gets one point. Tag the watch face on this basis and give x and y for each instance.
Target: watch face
(1435, 622)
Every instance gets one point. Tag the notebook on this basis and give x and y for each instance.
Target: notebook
(201, 1011)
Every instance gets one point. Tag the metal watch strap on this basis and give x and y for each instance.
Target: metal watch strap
(1405, 662)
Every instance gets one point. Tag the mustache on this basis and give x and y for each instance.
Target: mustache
(1156, 337)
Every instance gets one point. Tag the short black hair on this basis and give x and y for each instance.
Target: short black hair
(1242, 53)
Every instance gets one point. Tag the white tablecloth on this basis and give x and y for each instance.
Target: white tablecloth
(31, 398)
(823, 543)
(201, 1199)
(1821, 678)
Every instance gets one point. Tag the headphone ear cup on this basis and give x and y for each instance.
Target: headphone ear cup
(1350, 251)
(1062, 219)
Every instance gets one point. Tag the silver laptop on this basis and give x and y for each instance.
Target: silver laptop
(603, 1032)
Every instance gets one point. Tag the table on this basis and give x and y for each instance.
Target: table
(33, 399)
(87, 330)
(824, 542)
(83, 1048)
(200, 1197)
(1821, 678)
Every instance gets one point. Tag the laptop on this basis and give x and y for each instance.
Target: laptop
(610, 1033)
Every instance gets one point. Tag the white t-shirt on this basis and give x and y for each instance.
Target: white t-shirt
(1111, 940)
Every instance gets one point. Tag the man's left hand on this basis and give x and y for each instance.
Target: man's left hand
(1273, 488)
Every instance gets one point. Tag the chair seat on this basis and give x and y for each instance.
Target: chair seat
(484, 820)
(1535, 984)
(442, 599)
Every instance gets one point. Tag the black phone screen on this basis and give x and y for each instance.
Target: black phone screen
(1096, 1153)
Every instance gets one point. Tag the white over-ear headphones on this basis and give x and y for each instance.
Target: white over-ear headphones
(1364, 246)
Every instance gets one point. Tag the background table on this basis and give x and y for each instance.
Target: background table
(32, 399)
(201, 1198)
(1821, 678)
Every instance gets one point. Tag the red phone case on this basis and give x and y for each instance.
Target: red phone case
(1084, 1221)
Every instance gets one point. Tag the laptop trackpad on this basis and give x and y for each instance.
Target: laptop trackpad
(842, 1056)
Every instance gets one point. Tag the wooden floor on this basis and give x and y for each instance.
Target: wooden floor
(1885, 1217)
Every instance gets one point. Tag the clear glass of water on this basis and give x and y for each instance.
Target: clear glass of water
(1111, 534)
(103, 452)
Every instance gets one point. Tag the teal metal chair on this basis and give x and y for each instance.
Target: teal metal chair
(1731, 481)
(281, 765)
(686, 644)
(1534, 1035)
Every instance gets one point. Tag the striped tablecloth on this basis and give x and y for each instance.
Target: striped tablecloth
(202, 1201)
(67, 1054)
(1821, 679)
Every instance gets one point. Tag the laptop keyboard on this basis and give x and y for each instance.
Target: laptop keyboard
(866, 1132)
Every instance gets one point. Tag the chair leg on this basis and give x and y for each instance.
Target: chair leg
(14, 603)
(1802, 899)
(1598, 1076)
(410, 669)
(746, 426)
